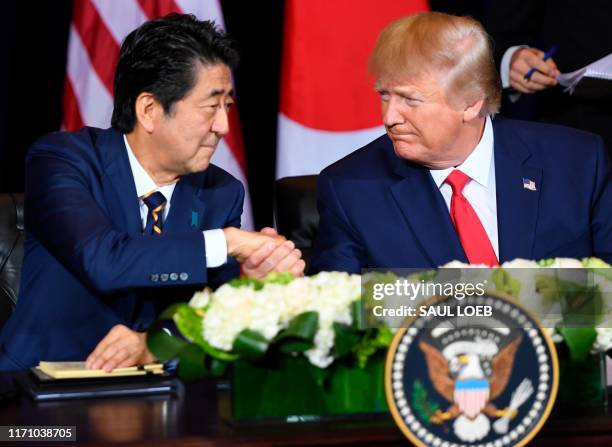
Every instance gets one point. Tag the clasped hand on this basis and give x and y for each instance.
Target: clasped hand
(263, 252)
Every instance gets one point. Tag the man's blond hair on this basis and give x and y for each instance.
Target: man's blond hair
(457, 51)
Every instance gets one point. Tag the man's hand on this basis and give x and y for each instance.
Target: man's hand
(241, 244)
(269, 258)
(523, 60)
(120, 348)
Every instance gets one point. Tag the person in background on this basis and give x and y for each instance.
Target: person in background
(524, 31)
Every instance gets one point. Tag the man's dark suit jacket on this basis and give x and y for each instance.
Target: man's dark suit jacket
(87, 265)
(378, 210)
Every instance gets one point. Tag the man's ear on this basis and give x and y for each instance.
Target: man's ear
(147, 111)
(473, 110)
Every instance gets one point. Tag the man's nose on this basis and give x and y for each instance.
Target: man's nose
(220, 124)
(391, 114)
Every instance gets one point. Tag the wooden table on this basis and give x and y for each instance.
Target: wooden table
(192, 419)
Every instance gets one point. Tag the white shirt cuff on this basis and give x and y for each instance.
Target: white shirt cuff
(504, 69)
(216, 248)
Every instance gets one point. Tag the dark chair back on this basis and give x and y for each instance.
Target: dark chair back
(295, 210)
(11, 252)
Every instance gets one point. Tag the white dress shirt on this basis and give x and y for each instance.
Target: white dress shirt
(480, 190)
(214, 240)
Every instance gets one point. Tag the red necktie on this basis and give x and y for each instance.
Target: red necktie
(472, 234)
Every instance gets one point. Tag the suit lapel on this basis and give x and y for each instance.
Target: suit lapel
(122, 200)
(517, 206)
(187, 206)
(425, 212)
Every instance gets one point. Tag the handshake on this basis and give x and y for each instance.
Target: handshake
(263, 252)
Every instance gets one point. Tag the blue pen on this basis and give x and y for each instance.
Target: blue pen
(550, 53)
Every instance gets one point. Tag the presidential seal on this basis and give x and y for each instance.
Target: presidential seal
(487, 381)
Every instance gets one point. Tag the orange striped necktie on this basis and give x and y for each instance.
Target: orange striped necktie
(155, 201)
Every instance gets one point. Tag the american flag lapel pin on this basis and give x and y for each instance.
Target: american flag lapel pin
(529, 184)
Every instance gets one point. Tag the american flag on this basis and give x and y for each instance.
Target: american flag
(97, 30)
(529, 184)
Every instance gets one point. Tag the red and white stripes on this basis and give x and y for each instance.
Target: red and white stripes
(97, 30)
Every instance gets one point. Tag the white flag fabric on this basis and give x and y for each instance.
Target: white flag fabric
(328, 104)
(97, 30)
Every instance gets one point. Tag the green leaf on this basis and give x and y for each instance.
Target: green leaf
(371, 341)
(162, 344)
(384, 337)
(424, 407)
(595, 263)
(304, 325)
(216, 367)
(425, 275)
(294, 346)
(548, 287)
(245, 281)
(299, 335)
(319, 375)
(505, 283)
(278, 278)
(191, 363)
(189, 322)
(250, 345)
(581, 303)
(598, 267)
(345, 340)
(579, 341)
(165, 346)
(357, 314)
(271, 278)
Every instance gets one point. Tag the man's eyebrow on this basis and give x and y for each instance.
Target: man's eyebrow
(218, 92)
(405, 90)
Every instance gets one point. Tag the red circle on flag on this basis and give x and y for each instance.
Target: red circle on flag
(325, 82)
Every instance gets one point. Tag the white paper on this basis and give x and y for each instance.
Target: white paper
(600, 69)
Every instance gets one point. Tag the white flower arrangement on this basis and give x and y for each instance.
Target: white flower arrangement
(269, 309)
(533, 299)
(313, 315)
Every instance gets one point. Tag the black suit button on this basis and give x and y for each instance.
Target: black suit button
(163, 277)
(184, 276)
(154, 277)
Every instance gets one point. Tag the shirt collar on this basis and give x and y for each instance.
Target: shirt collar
(144, 183)
(477, 165)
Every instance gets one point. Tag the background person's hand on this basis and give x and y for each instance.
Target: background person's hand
(120, 348)
(268, 258)
(523, 60)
